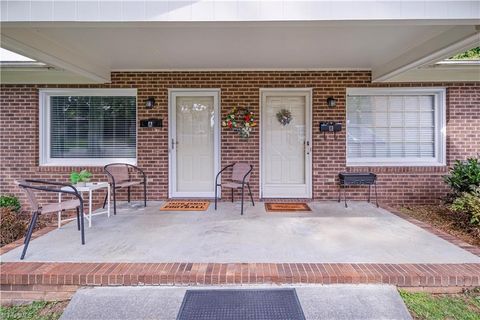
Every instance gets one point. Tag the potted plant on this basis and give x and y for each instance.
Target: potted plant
(80, 178)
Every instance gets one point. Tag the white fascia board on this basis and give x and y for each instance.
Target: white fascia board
(445, 45)
(440, 74)
(32, 44)
(40, 76)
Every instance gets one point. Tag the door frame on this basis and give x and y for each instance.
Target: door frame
(172, 126)
(308, 94)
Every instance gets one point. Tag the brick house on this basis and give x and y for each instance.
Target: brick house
(405, 116)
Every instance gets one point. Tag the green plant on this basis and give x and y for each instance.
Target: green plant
(10, 202)
(464, 176)
(82, 176)
(469, 203)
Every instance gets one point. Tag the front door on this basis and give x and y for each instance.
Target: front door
(286, 149)
(194, 155)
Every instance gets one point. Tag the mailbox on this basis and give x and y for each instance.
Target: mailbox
(151, 123)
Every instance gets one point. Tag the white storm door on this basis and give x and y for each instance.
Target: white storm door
(286, 150)
(194, 156)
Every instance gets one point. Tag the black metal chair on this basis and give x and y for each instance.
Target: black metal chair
(240, 176)
(29, 186)
(119, 177)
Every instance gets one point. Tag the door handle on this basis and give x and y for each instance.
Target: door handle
(173, 143)
(307, 147)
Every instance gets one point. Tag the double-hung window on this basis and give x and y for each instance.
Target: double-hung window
(88, 127)
(396, 127)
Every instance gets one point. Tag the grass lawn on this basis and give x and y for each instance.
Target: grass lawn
(425, 306)
(35, 311)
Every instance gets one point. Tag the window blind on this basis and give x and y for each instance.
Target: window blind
(92, 126)
(397, 126)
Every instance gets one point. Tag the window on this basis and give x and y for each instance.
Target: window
(396, 127)
(88, 127)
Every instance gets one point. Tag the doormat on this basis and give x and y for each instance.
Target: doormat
(178, 205)
(287, 207)
(246, 304)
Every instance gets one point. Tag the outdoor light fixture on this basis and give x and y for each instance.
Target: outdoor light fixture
(331, 102)
(150, 103)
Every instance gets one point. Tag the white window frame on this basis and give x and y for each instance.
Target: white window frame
(44, 127)
(439, 94)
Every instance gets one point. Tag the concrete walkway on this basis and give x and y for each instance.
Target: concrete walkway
(331, 233)
(318, 302)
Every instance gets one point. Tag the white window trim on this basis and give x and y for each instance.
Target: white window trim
(439, 94)
(44, 127)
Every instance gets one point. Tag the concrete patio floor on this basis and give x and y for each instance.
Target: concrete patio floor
(331, 233)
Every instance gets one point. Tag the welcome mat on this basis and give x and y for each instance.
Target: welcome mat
(287, 207)
(178, 205)
(242, 304)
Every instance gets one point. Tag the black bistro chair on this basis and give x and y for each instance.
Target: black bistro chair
(30, 186)
(239, 178)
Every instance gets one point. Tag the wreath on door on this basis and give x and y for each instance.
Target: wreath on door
(241, 120)
(284, 116)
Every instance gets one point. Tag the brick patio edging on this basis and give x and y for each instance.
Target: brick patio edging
(17, 274)
(439, 233)
(19, 242)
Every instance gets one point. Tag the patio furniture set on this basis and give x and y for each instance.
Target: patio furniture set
(122, 175)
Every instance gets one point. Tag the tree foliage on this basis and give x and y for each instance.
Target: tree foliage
(472, 54)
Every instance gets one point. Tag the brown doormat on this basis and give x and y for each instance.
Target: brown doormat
(286, 207)
(178, 205)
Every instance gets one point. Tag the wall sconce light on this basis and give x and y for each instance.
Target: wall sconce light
(150, 103)
(331, 102)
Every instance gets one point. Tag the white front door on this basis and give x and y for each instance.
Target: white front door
(286, 149)
(194, 156)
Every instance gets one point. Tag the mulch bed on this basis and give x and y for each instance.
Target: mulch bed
(440, 217)
(13, 225)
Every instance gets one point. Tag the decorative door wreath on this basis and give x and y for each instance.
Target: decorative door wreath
(241, 120)
(284, 116)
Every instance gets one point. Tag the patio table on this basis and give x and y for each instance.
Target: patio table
(89, 187)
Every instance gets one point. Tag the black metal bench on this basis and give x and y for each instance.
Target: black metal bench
(354, 179)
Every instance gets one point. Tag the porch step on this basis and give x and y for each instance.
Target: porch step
(318, 302)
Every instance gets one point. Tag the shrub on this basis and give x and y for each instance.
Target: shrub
(12, 226)
(10, 202)
(469, 203)
(464, 176)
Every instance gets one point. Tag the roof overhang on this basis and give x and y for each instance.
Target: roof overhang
(389, 48)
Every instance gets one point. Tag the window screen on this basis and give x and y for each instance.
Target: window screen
(92, 127)
(396, 126)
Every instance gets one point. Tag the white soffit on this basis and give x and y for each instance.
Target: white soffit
(94, 49)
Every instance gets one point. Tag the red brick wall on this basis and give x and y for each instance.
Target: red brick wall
(19, 130)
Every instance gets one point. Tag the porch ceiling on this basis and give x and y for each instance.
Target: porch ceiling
(94, 49)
